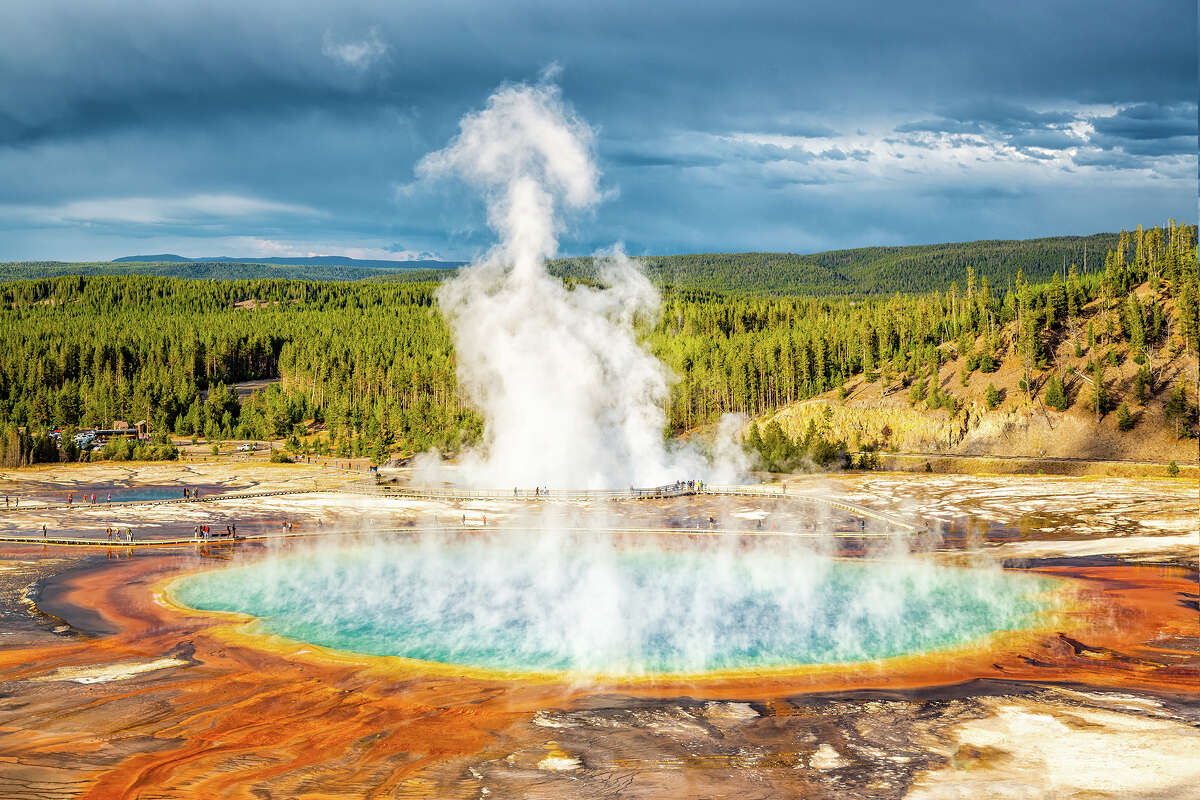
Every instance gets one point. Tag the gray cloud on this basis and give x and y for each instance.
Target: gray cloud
(1145, 121)
(355, 53)
(329, 109)
(1046, 139)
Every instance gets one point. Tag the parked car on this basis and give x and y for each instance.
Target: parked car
(248, 447)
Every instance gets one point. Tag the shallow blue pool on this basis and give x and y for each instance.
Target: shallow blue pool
(549, 602)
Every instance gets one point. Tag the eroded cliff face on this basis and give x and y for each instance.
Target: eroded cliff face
(1017, 429)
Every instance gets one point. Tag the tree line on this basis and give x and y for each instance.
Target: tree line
(373, 362)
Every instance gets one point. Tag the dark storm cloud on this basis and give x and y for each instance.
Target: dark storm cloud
(328, 106)
(79, 66)
(1149, 121)
(1148, 129)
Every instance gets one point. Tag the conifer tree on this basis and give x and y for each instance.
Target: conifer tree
(1056, 396)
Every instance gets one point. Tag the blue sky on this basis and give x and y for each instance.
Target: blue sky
(293, 128)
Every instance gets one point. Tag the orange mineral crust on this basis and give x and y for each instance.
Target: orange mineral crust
(213, 711)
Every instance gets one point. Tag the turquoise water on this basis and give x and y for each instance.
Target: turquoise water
(589, 604)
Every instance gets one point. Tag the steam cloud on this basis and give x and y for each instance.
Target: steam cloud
(572, 399)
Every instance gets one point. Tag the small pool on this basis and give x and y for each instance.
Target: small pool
(120, 494)
(139, 494)
(591, 604)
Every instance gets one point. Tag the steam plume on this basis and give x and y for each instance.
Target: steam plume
(570, 396)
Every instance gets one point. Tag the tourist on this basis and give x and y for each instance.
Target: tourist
(43, 530)
(233, 529)
(185, 493)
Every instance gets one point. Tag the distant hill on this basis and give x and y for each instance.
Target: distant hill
(867, 271)
(223, 270)
(864, 271)
(312, 261)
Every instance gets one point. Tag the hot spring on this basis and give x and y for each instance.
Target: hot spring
(591, 604)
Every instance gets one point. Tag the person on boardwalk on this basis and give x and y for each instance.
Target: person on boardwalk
(43, 530)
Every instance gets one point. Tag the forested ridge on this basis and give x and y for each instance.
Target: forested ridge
(372, 363)
(867, 271)
(861, 272)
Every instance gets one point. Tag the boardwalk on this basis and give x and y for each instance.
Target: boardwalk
(465, 495)
(180, 541)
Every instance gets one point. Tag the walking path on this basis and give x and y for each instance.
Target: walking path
(178, 541)
(464, 495)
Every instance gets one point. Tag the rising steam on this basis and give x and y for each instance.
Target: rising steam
(571, 397)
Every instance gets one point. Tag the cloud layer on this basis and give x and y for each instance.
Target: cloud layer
(758, 125)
